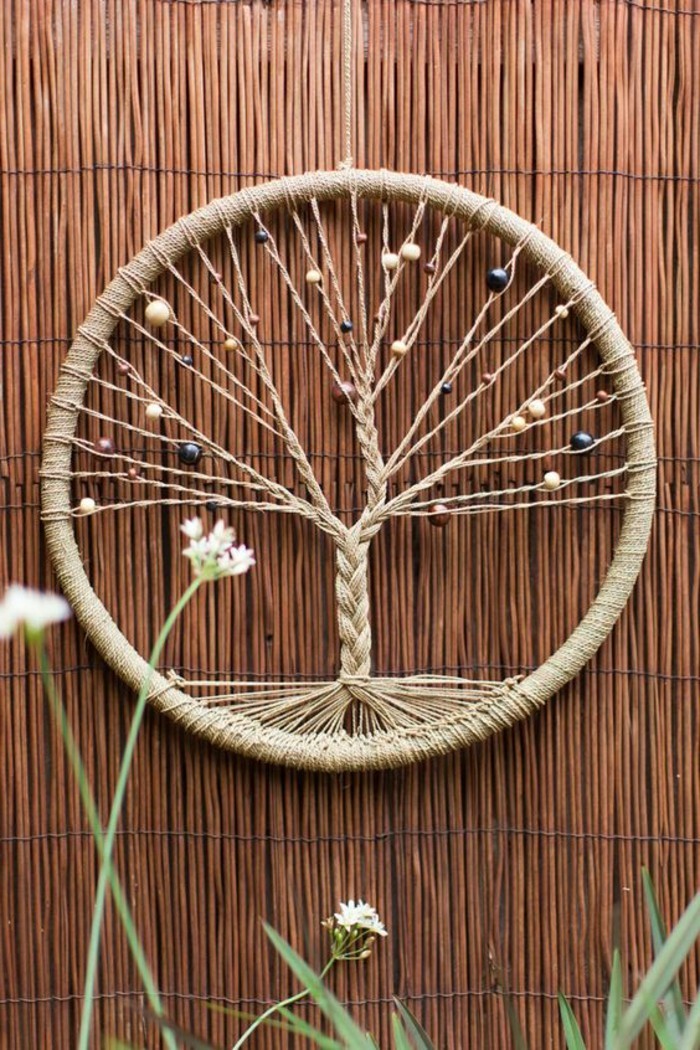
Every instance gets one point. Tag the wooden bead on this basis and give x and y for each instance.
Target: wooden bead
(123, 367)
(154, 410)
(487, 377)
(551, 480)
(562, 312)
(518, 423)
(253, 320)
(582, 441)
(344, 392)
(497, 279)
(87, 505)
(439, 516)
(189, 453)
(261, 236)
(360, 238)
(157, 313)
(399, 348)
(537, 408)
(602, 396)
(560, 374)
(410, 252)
(313, 277)
(390, 260)
(214, 277)
(105, 446)
(231, 344)
(429, 267)
(133, 473)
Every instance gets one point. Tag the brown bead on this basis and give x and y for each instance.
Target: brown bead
(602, 396)
(214, 277)
(105, 446)
(429, 267)
(487, 377)
(133, 473)
(344, 392)
(560, 374)
(360, 238)
(253, 319)
(123, 367)
(439, 516)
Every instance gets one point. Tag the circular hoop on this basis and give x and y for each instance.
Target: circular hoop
(341, 750)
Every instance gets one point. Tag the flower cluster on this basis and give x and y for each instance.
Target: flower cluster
(32, 610)
(215, 555)
(354, 930)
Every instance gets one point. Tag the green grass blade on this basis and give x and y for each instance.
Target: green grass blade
(614, 1012)
(572, 1032)
(674, 1010)
(664, 1038)
(516, 1030)
(184, 1038)
(416, 1031)
(691, 1035)
(401, 1040)
(298, 1026)
(336, 1013)
(659, 977)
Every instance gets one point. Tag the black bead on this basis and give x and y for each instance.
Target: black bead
(582, 441)
(261, 236)
(446, 388)
(497, 279)
(212, 505)
(346, 326)
(189, 453)
(187, 359)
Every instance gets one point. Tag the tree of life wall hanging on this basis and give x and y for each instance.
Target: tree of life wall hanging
(187, 389)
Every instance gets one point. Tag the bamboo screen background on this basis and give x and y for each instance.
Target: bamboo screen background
(522, 855)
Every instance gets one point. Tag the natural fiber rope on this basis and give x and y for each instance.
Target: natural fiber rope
(393, 720)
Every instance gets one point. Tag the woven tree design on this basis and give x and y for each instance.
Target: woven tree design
(358, 719)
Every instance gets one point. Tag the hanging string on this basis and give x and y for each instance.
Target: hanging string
(347, 162)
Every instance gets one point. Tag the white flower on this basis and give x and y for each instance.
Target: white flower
(215, 555)
(193, 528)
(33, 610)
(236, 560)
(361, 915)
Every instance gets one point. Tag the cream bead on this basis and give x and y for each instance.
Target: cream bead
(537, 408)
(410, 252)
(157, 313)
(551, 480)
(154, 410)
(518, 423)
(562, 311)
(231, 344)
(399, 348)
(313, 277)
(87, 505)
(390, 260)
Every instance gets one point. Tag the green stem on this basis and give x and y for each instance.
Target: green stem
(115, 811)
(75, 759)
(278, 1006)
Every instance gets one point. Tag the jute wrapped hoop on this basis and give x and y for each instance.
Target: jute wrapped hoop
(443, 712)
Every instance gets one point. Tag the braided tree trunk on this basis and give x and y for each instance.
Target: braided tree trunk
(352, 553)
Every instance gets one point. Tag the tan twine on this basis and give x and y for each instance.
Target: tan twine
(393, 720)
